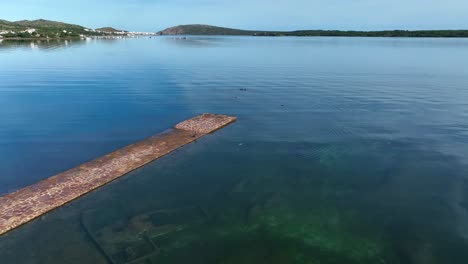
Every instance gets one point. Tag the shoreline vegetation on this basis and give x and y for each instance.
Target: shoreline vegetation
(213, 30)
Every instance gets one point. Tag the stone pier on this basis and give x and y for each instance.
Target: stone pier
(26, 204)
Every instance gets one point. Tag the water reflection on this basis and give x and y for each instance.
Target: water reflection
(49, 44)
(196, 41)
(40, 44)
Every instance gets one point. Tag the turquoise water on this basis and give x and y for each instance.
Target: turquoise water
(347, 150)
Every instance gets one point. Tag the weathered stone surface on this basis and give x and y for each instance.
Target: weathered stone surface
(206, 123)
(24, 205)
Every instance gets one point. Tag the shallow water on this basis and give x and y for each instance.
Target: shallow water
(347, 150)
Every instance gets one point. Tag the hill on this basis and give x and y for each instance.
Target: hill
(213, 30)
(203, 30)
(41, 28)
(42, 23)
(7, 25)
(109, 30)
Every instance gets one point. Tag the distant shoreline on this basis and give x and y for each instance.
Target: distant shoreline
(207, 30)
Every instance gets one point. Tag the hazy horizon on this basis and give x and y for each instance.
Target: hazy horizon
(147, 15)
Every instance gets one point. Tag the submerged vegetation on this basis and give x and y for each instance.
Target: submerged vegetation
(331, 209)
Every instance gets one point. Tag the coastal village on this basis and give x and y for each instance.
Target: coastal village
(89, 33)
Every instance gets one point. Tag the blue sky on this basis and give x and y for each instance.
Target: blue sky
(154, 15)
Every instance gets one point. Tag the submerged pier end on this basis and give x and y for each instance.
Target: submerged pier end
(26, 204)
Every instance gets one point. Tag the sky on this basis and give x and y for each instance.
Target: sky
(155, 15)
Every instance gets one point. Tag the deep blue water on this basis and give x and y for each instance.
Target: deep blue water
(347, 150)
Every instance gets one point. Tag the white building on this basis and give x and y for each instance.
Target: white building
(4, 32)
(30, 30)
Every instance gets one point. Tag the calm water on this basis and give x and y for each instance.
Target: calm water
(347, 150)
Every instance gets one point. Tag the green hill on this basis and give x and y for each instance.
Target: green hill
(42, 23)
(203, 30)
(42, 28)
(7, 25)
(109, 30)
